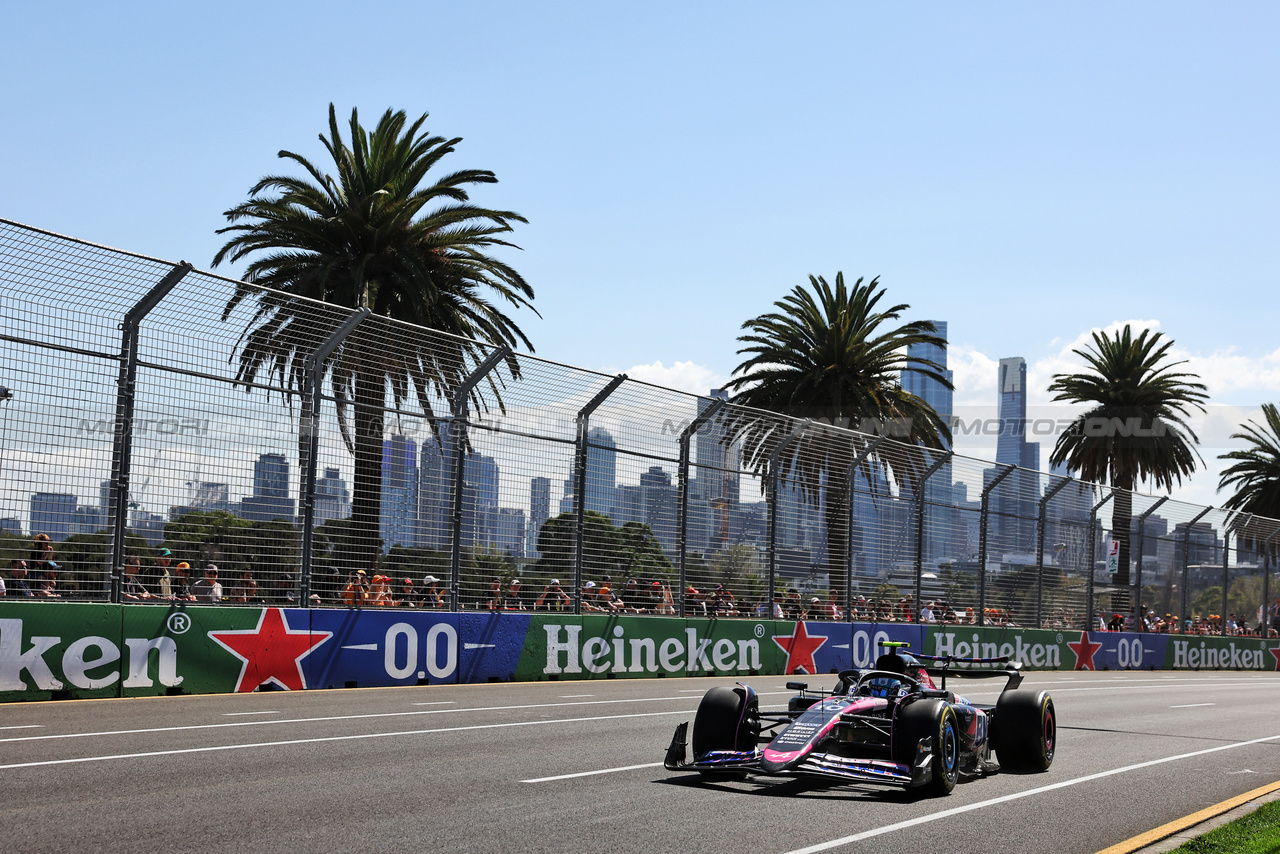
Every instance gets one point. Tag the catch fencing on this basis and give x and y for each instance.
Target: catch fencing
(322, 456)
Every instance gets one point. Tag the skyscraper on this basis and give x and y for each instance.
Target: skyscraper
(333, 499)
(1013, 522)
(271, 476)
(942, 535)
(479, 499)
(926, 388)
(715, 497)
(539, 511)
(602, 465)
(399, 522)
(270, 499)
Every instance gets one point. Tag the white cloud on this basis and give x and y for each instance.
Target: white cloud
(684, 376)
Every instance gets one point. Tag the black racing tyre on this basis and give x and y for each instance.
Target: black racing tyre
(1024, 730)
(933, 719)
(721, 725)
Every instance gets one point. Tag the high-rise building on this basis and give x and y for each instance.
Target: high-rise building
(602, 465)
(479, 499)
(271, 476)
(926, 388)
(1013, 521)
(539, 511)
(52, 513)
(399, 518)
(660, 500)
(270, 499)
(435, 493)
(333, 499)
(715, 492)
(943, 534)
(505, 530)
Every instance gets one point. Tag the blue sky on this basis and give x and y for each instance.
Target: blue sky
(1025, 172)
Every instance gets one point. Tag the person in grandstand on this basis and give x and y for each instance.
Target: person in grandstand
(552, 597)
(181, 583)
(130, 587)
(408, 597)
(208, 590)
(494, 602)
(356, 593)
(432, 597)
(18, 585)
(515, 599)
(160, 578)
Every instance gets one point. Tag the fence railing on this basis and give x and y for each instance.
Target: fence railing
(320, 455)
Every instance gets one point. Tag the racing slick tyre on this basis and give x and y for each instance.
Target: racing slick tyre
(1024, 730)
(935, 720)
(723, 724)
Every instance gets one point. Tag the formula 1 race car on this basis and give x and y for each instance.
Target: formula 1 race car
(889, 726)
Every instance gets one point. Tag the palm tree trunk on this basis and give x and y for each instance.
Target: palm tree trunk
(837, 544)
(1121, 519)
(361, 548)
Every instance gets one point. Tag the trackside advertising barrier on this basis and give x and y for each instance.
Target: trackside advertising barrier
(99, 650)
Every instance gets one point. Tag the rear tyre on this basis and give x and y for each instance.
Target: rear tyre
(935, 720)
(722, 725)
(1024, 731)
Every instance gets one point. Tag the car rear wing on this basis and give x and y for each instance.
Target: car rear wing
(942, 668)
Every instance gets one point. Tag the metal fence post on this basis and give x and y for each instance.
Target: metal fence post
(1040, 526)
(983, 516)
(682, 508)
(1266, 581)
(1186, 560)
(1093, 553)
(310, 426)
(458, 436)
(1226, 559)
(919, 556)
(1142, 544)
(849, 479)
(771, 497)
(122, 446)
(580, 485)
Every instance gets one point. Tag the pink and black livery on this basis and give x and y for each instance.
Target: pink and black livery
(891, 725)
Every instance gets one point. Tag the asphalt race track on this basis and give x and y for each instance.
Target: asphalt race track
(576, 767)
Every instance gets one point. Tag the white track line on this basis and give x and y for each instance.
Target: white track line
(1193, 705)
(346, 718)
(593, 773)
(332, 738)
(24, 726)
(937, 816)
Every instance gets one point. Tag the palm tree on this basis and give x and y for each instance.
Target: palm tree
(1134, 428)
(833, 355)
(1256, 474)
(377, 233)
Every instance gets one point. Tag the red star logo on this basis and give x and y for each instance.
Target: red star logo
(272, 652)
(1275, 653)
(1084, 651)
(800, 647)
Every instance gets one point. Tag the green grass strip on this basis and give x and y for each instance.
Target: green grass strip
(1256, 833)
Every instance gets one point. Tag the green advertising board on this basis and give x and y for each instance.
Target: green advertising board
(609, 647)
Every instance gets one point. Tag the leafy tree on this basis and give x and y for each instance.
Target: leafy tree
(601, 546)
(738, 568)
(1255, 475)
(376, 233)
(1134, 428)
(641, 555)
(835, 355)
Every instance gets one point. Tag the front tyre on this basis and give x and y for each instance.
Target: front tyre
(725, 721)
(1024, 731)
(935, 720)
